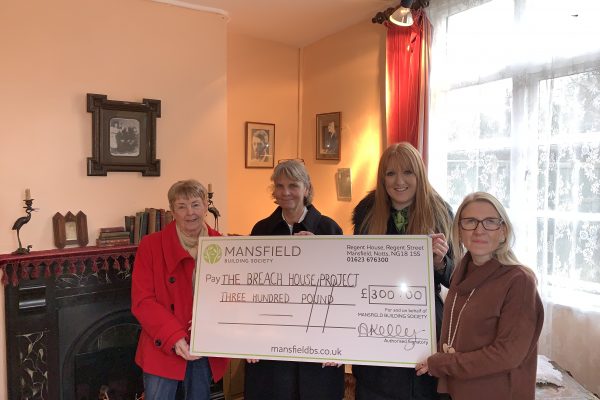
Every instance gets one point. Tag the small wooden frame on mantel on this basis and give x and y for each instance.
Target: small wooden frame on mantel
(70, 229)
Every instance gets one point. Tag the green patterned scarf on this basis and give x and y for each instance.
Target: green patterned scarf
(400, 219)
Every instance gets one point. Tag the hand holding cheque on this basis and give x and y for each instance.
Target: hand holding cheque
(362, 299)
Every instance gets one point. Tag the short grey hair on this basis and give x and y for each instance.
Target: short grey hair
(187, 189)
(296, 171)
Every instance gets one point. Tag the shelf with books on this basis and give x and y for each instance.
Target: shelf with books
(146, 222)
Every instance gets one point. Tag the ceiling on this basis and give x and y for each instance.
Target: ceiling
(293, 22)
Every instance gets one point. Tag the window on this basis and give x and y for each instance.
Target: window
(516, 112)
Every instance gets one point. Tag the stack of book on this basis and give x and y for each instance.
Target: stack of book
(113, 236)
(145, 222)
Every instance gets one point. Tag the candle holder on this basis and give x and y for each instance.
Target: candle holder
(19, 224)
(212, 209)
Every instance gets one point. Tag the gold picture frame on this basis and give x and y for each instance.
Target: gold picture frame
(260, 145)
(329, 136)
(343, 184)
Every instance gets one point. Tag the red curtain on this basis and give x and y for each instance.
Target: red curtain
(407, 78)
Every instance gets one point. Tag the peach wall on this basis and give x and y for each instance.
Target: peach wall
(339, 73)
(344, 72)
(262, 86)
(53, 53)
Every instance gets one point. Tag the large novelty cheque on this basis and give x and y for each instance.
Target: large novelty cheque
(348, 299)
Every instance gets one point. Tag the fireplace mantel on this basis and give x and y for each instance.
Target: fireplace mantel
(39, 264)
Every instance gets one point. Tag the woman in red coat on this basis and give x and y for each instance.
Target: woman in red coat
(161, 299)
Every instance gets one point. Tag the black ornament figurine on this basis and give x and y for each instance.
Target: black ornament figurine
(211, 207)
(22, 221)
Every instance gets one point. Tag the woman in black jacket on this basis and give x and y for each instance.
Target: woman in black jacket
(295, 215)
(404, 202)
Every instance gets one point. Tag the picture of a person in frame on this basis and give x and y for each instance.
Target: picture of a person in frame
(124, 137)
(260, 145)
(330, 139)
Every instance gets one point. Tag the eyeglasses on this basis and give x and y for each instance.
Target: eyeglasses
(300, 160)
(489, 224)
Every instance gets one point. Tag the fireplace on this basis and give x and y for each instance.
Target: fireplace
(101, 360)
(69, 330)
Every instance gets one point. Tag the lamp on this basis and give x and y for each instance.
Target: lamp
(382, 16)
(402, 16)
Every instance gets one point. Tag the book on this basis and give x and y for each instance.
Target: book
(129, 221)
(143, 224)
(112, 229)
(109, 235)
(129, 226)
(163, 221)
(136, 227)
(151, 220)
(168, 217)
(112, 242)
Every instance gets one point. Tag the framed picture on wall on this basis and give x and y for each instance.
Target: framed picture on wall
(123, 136)
(260, 145)
(329, 136)
(70, 229)
(343, 184)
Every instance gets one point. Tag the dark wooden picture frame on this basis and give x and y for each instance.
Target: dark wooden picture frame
(329, 136)
(70, 229)
(260, 145)
(123, 136)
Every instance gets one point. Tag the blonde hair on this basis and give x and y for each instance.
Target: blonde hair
(296, 171)
(186, 189)
(428, 213)
(503, 253)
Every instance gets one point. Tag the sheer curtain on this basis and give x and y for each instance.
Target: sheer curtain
(407, 81)
(515, 111)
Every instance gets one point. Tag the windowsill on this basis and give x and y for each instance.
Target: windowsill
(576, 299)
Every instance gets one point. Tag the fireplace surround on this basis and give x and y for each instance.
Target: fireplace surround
(69, 329)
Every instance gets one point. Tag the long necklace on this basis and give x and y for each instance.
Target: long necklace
(447, 347)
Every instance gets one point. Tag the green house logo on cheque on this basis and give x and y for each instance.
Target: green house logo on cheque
(212, 253)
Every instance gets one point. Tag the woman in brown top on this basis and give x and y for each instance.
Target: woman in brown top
(493, 313)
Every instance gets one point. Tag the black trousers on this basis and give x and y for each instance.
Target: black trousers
(363, 393)
(287, 380)
(393, 383)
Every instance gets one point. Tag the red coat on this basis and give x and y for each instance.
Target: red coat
(161, 300)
